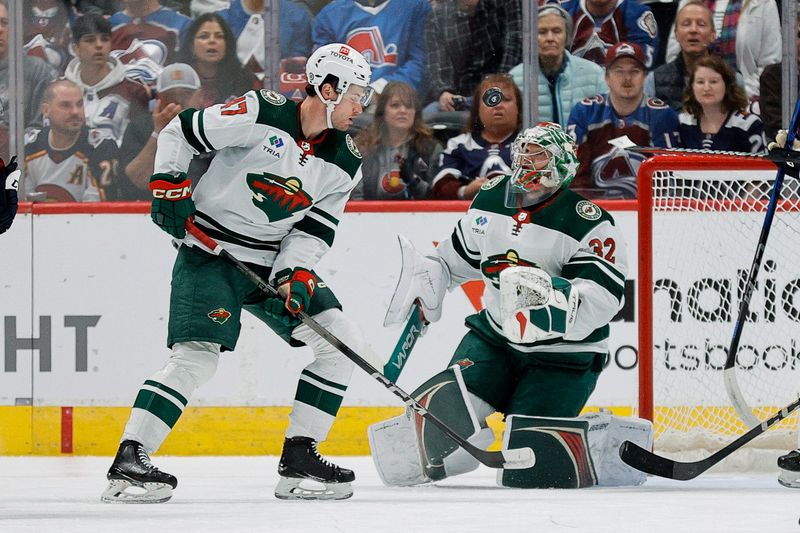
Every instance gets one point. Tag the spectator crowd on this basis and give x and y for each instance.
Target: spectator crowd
(103, 77)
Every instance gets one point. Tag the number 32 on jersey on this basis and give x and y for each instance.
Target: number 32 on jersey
(604, 248)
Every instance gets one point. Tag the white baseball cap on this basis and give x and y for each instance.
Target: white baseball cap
(177, 75)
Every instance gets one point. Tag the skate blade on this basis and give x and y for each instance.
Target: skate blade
(291, 488)
(789, 479)
(117, 492)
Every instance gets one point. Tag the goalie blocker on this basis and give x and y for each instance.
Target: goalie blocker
(570, 452)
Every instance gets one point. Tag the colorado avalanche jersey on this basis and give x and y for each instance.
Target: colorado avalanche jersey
(629, 21)
(270, 196)
(593, 122)
(111, 102)
(390, 35)
(248, 30)
(566, 236)
(164, 25)
(76, 174)
(742, 132)
(469, 156)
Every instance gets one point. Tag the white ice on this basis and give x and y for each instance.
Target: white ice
(223, 494)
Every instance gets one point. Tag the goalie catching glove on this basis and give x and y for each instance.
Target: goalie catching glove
(298, 286)
(536, 306)
(778, 150)
(172, 202)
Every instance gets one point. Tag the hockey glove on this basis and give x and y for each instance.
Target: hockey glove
(299, 288)
(276, 309)
(9, 184)
(779, 153)
(172, 202)
(535, 306)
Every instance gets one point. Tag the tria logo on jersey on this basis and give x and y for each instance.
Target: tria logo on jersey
(274, 145)
(369, 42)
(495, 264)
(277, 196)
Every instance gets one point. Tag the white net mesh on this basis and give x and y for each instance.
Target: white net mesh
(706, 224)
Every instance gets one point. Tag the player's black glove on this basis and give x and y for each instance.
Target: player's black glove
(787, 159)
(9, 185)
(172, 203)
(780, 156)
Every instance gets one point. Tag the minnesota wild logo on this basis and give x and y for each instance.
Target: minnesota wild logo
(495, 264)
(277, 196)
(219, 315)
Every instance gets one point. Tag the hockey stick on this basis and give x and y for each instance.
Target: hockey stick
(627, 144)
(508, 459)
(414, 329)
(731, 384)
(650, 463)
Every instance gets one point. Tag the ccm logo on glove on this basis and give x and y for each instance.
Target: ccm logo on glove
(172, 202)
(171, 191)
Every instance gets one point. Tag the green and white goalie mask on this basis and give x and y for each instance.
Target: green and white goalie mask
(543, 160)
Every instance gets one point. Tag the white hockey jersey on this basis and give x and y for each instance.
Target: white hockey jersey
(270, 197)
(566, 236)
(76, 174)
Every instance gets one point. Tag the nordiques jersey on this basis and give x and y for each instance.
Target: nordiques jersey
(270, 196)
(566, 236)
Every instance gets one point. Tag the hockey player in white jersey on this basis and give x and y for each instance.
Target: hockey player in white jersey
(272, 197)
(554, 266)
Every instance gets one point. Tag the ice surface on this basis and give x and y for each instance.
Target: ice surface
(222, 494)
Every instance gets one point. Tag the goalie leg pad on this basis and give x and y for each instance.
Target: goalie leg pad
(407, 450)
(606, 434)
(395, 451)
(446, 396)
(562, 453)
(575, 452)
(423, 278)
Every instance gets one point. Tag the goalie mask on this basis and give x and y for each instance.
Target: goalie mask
(543, 160)
(347, 65)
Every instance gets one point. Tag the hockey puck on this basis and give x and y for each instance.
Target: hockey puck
(492, 96)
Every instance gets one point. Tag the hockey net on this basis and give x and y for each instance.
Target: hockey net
(699, 223)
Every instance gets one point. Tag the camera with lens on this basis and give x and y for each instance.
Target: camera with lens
(459, 103)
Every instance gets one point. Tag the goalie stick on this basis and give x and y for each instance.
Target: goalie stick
(650, 463)
(414, 329)
(509, 459)
(731, 384)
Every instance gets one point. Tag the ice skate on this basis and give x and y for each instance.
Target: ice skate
(132, 469)
(305, 475)
(790, 469)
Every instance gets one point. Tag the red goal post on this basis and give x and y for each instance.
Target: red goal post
(699, 218)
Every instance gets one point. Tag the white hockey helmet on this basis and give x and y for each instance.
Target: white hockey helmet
(543, 160)
(346, 64)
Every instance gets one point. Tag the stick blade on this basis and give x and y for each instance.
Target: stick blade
(622, 142)
(646, 461)
(518, 458)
